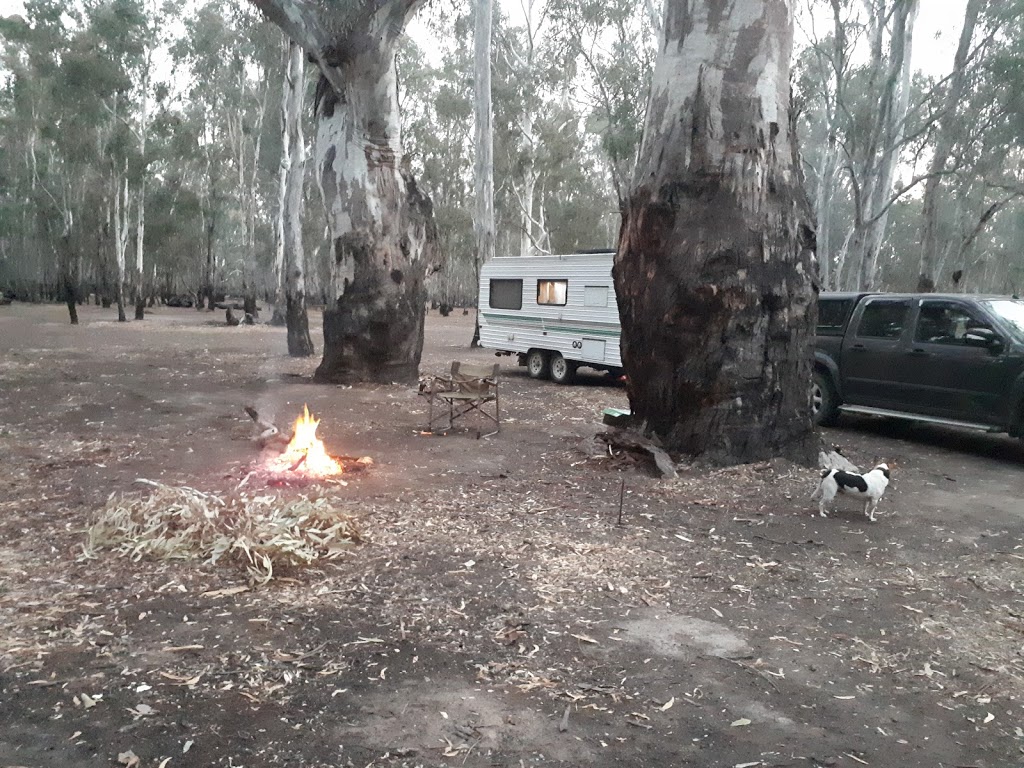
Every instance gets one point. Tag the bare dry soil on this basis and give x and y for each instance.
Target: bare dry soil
(497, 614)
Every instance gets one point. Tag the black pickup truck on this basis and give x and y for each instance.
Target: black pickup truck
(946, 359)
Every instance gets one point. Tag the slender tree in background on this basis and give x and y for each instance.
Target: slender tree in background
(945, 139)
(282, 184)
(886, 137)
(142, 135)
(714, 267)
(483, 166)
(614, 43)
(291, 255)
(381, 224)
(867, 124)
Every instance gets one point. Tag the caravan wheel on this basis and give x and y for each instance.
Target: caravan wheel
(562, 371)
(537, 364)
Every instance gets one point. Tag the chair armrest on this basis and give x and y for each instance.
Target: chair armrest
(434, 384)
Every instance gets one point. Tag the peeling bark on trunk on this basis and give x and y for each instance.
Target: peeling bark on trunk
(382, 227)
(299, 342)
(121, 217)
(290, 49)
(714, 268)
(373, 328)
(943, 147)
(528, 153)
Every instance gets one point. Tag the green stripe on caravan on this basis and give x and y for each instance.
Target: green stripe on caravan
(558, 325)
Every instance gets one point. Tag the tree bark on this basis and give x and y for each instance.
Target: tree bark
(278, 317)
(528, 156)
(943, 147)
(714, 267)
(299, 342)
(483, 169)
(382, 227)
(121, 217)
(140, 231)
(69, 268)
(209, 268)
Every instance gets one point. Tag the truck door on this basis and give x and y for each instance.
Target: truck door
(957, 374)
(873, 352)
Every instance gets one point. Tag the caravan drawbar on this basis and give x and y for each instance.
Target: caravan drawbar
(557, 313)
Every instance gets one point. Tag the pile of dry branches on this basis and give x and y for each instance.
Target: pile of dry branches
(260, 532)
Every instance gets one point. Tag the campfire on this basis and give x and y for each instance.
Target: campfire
(306, 453)
(305, 457)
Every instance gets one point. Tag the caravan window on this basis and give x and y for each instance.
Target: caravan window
(506, 294)
(552, 292)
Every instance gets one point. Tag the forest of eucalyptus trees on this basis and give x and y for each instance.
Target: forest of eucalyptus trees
(141, 143)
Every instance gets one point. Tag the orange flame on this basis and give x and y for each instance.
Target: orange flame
(306, 453)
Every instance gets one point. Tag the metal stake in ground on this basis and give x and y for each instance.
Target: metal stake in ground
(622, 495)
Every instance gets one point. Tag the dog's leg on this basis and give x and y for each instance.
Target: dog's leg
(828, 495)
(869, 509)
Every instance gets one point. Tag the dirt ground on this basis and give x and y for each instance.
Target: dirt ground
(497, 614)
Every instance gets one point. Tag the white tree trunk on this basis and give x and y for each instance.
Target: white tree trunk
(714, 268)
(483, 166)
(282, 187)
(823, 207)
(122, 217)
(140, 205)
(527, 153)
(299, 342)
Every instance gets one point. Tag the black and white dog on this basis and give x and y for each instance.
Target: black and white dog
(870, 485)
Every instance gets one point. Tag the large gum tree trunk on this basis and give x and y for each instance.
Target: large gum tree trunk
(714, 268)
(381, 225)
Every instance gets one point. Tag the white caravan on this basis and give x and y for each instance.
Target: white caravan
(556, 312)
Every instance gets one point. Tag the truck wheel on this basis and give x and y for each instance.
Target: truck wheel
(562, 371)
(824, 401)
(537, 364)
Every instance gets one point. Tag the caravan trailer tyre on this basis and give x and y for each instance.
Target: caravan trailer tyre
(562, 370)
(537, 364)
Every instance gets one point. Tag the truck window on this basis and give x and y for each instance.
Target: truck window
(945, 324)
(595, 296)
(832, 316)
(552, 292)
(506, 294)
(883, 320)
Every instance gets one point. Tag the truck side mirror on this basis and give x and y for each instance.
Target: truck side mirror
(983, 337)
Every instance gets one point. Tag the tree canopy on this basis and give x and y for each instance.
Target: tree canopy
(569, 92)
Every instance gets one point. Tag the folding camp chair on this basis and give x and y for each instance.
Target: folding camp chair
(468, 389)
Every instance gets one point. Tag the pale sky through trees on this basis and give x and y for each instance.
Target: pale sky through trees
(938, 27)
